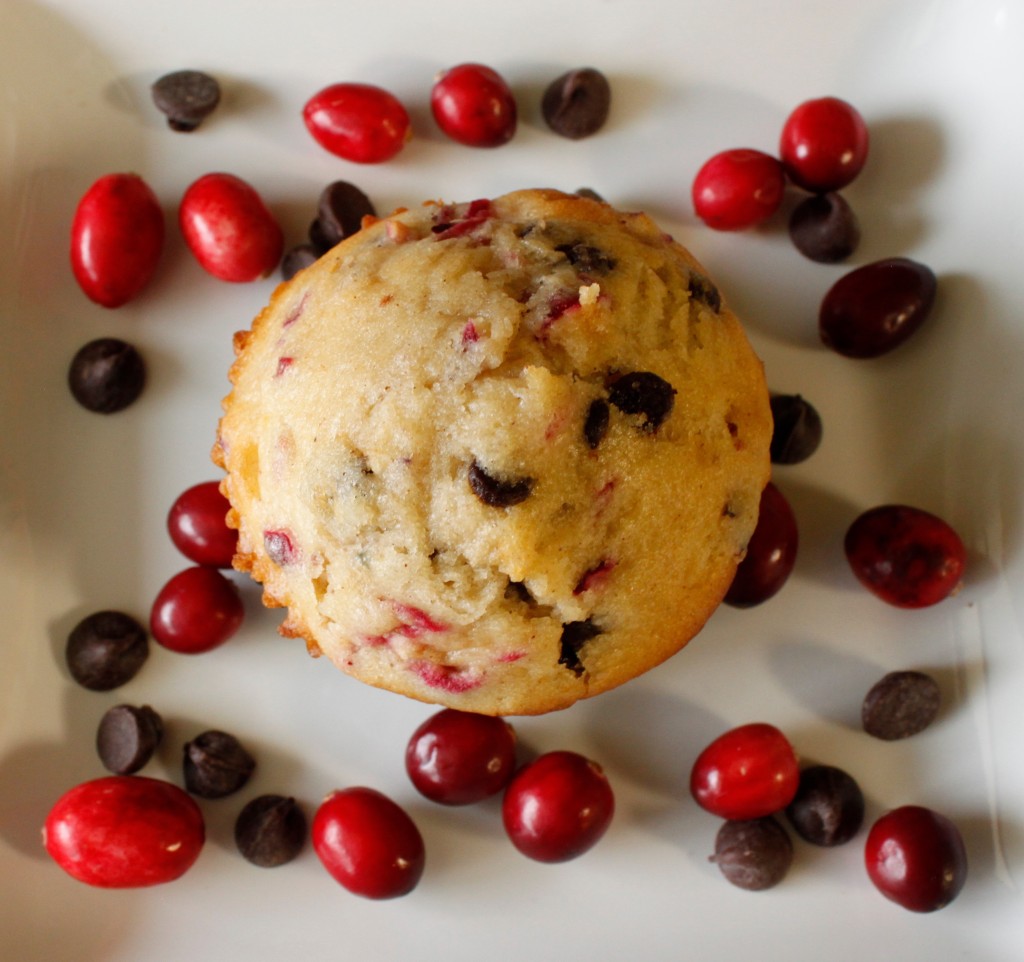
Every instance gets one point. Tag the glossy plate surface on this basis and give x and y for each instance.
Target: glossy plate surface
(936, 424)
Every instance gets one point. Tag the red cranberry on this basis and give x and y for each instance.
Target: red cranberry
(124, 831)
(876, 307)
(738, 188)
(229, 229)
(557, 807)
(771, 553)
(197, 525)
(368, 843)
(358, 122)
(457, 757)
(746, 773)
(474, 105)
(905, 556)
(197, 610)
(117, 236)
(916, 858)
(824, 144)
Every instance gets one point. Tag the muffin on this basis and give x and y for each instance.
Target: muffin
(499, 455)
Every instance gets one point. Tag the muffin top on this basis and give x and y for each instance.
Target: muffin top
(498, 455)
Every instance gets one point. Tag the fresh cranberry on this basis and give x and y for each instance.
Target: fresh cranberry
(117, 236)
(824, 144)
(747, 772)
(457, 757)
(916, 858)
(197, 610)
(124, 831)
(229, 229)
(368, 843)
(906, 556)
(876, 307)
(197, 526)
(474, 105)
(771, 552)
(738, 188)
(557, 807)
(359, 122)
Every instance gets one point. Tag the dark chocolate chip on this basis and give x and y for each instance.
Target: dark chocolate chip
(127, 737)
(586, 258)
(576, 104)
(900, 704)
(797, 429)
(216, 765)
(595, 426)
(702, 290)
(106, 375)
(753, 854)
(298, 258)
(828, 808)
(187, 97)
(575, 634)
(589, 193)
(824, 228)
(106, 649)
(340, 211)
(643, 393)
(270, 830)
(498, 492)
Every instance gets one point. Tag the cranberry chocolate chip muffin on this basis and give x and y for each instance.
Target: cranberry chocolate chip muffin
(499, 455)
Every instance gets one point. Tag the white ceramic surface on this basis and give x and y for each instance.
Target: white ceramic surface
(83, 497)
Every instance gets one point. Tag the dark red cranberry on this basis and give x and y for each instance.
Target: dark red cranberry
(875, 308)
(198, 527)
(916, 858)
(368, 843)
(905, 556)
(557, 807)
(771, 553)
(457, 757)
(747, 772)
(196, 610)
(474, 105)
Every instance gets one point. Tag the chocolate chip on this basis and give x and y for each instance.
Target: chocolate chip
(106, 649)
(702, 290)
(498, 492)
(298, 258)
(106, 375)
(901, 704)
(828, 808)
(753, 854)
(643, 393)
(589, 193)
(797, 429)
(576, 104)
(187, 97)
(587, 259)
(575, 634)
(127, 737)
(595, 426)
(824, 228)
(216, 765)
(340, 212)
(270, 830)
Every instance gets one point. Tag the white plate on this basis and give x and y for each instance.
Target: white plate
(935, 424)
